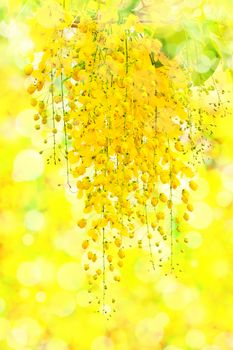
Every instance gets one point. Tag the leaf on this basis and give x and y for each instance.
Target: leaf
(210, 52)
(157, 63)
(127, 9)
(2, 13)
(171, 43)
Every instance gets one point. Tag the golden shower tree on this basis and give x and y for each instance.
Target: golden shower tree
(127, 116)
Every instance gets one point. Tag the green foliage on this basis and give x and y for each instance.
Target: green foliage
(128, 9)
(2, 13)
(212, 54)
(171, 42)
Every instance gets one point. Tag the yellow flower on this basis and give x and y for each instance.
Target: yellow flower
(82, 223)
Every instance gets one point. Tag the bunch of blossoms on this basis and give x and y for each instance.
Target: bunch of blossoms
(121, 109)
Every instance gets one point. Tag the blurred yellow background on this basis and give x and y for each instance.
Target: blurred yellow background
(44, 299)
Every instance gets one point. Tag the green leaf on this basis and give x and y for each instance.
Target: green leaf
(157, 63)
(171, 43)
(128, 9)
(210, 52)
(2, 13)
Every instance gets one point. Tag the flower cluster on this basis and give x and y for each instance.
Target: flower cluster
(122, 109)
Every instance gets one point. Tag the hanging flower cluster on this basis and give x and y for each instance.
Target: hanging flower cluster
(123, 112)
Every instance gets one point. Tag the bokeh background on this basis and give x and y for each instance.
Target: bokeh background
(44, 299)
